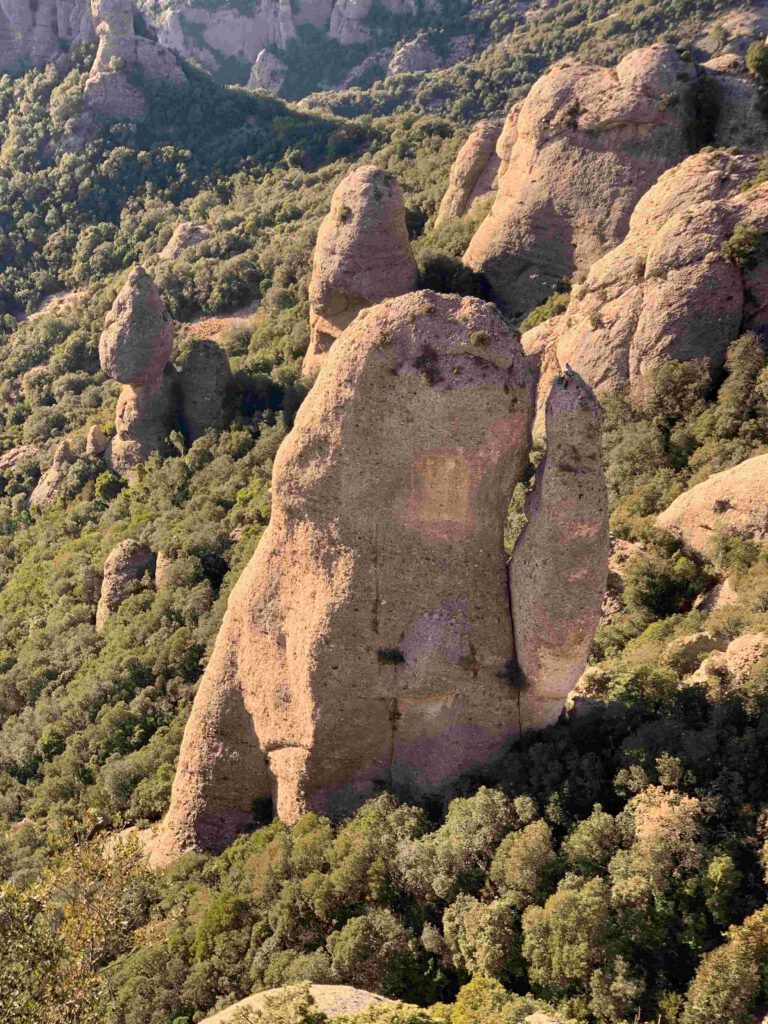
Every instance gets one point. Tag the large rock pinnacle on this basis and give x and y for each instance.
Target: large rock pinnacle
(559, 566)
(362, 256)
(369, 640)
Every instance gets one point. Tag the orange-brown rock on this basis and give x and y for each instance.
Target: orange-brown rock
(560, 563)
(185, 235)
(362, 256)
(49, 485)
(368, 643)
(126, 570)
(96, 442)
(473, 173)
(144, 416)
(137, 339)
(668, 291)
(205, 382)
(732, 502)
(733, 665)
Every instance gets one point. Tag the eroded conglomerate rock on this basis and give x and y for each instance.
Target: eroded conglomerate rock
(362, 255)
(205, 382)
(38, 31)
(473, 172)
(589, 142)
(560, 563)
(134, 348)
(96, 442)
(49, 485)
(669, 291)
(125, 572)
(184, 236)
(268, 72)
(368, 642)
(733, 502)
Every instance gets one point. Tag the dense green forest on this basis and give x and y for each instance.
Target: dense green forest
(614, 870)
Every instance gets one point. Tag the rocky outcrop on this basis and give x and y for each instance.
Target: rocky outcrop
(109, 90)
(732, 502)
(332, 1000)
(96, 442)
(125, 572)
(732, 666)
(134, 348)
(589, 142)
(362, 255)
(38, 32)
(349, 18)
(670, 290)
(413, 56)
(14, 459)
(473, 173)
(184, 236)
(369, 641)
(205, 384)
(268, 72)
(560, 563)
(49, 485)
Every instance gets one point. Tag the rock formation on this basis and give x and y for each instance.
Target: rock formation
(185, 235)
(362, 256)
(268, 72)
(733, 665)
(109, 90)
(669, 291)
(332, 1000)
(349, 18)
(732, 502)
(412, 56)
(588, 142)
(473, 173)
(134, 349)
(96, 442)
(560, 562)
(124, 573)
(369, 642)
(205, 383)
(47, 490)
(38, 32)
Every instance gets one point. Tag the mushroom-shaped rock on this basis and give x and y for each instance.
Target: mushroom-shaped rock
(184, 236)
(205, 382)
(732, 502)
(362, 256)
(144, 416)
(96, 442)
(670, 290)
(589, 142)
(379, 592)
(125, 570)
(559, 566)
(473, 172)
(137, 339)
(47, 490)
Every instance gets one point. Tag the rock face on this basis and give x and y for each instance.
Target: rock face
(734, 502)
(560, 563)
(108, 90)
(268, 72)
(415, 55)
(362, 256)
(205, 383)
(668, 291)
(134, 348)
(47, 490)
(473, 173)
(37, 33)
(369, 640)
(125, 569)
(349, 17)
(184, 236)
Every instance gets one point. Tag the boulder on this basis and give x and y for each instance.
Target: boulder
(185, 235)
(163, 565)
(362, 255)
(49, 485)
(413, 56)
(144, 417)
(125, 570)
(668, 291)
(96, 442)
(732, 502)
(137, 339)
(473, 174)
(369, 641)
(733, 665)
(268, 72)
(559, 565)
(205, 383)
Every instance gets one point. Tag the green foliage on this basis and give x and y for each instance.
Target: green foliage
(757, 59)
(557, 303)
(743, 247)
